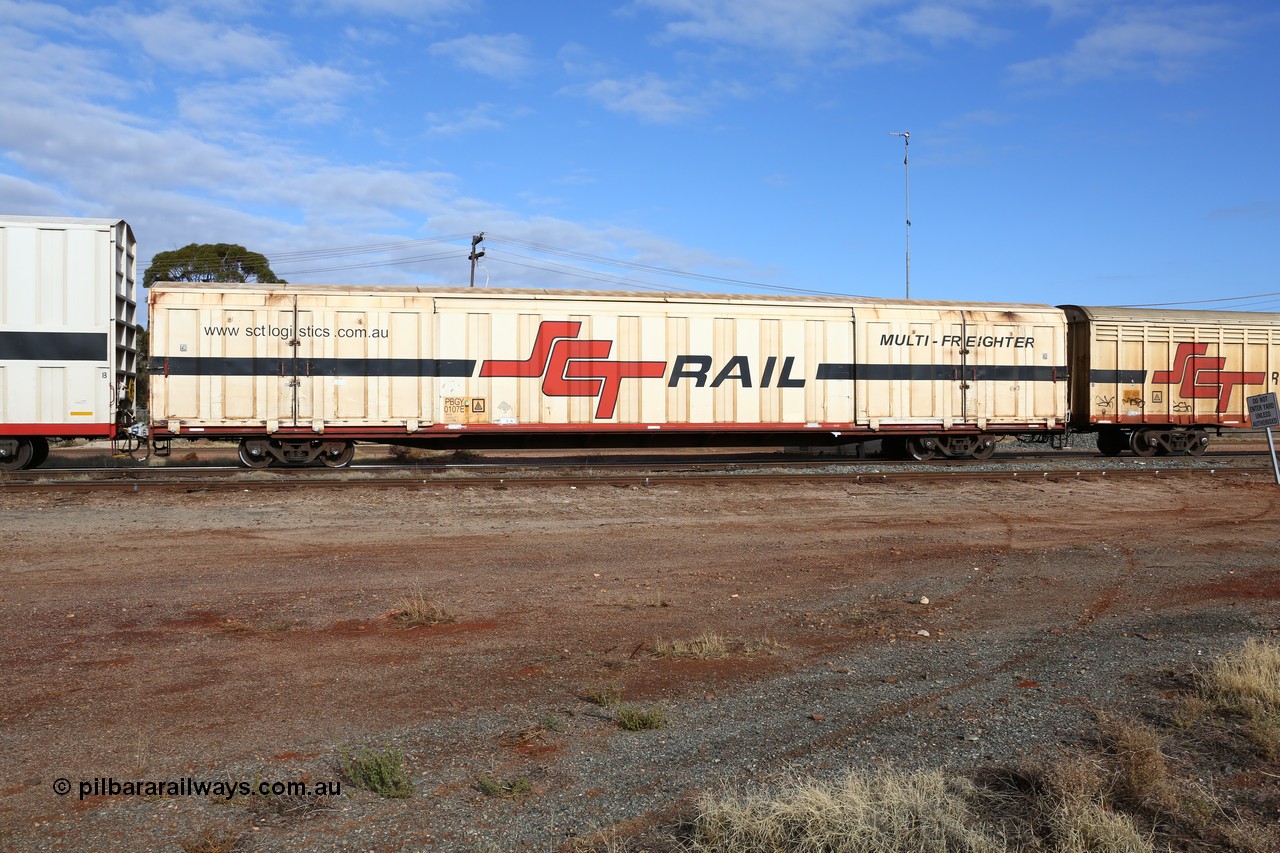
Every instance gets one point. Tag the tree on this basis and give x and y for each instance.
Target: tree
(142, 387)
(210, 262)
(198, 262)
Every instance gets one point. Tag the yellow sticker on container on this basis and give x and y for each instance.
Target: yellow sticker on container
(465, 410)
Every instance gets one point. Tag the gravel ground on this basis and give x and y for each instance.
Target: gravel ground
(242, 636)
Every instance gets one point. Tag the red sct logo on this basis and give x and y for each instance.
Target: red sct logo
(573, 368)
(1202, 376)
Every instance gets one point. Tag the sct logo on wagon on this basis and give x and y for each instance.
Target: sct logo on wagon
(578, 368)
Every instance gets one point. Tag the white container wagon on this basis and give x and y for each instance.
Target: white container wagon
(68, 333)
(298, 374)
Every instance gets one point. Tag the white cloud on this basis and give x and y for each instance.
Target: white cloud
(1062, 9)
(504, 57)
(479, 117)
(813, 26)
(648, 97)
(23, 197)
(414, 10)
(577, 60)
(309, 94)
(940, 23)
(90, 127)
(181, 41)
(1162, 43)
(37, 70)
(854, 31)
(46, 16)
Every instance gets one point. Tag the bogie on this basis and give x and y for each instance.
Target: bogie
(262, 453)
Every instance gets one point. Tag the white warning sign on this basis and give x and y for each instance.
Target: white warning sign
(1263, 411)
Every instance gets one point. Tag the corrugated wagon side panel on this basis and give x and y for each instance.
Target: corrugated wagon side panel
(576, 363)
(407, 395)
(174, 329)
(1175, 368)
(982, 367)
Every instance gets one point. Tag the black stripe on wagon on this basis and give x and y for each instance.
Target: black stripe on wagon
(836, 372)
(1118, 377)
(397, 367)
(942, 372)
(53, 346)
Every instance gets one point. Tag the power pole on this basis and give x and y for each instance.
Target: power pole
(906, 170)
(475, 255)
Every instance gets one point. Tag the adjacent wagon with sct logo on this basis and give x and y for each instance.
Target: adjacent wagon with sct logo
(1159, 381)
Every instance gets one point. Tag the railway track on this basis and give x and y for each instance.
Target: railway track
(648, 471)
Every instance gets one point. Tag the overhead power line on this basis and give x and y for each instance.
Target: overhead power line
(1206, 301)
(655, 270)
(283, 258)
(371, 264)
(307, 258)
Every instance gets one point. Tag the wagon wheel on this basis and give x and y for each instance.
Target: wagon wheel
(20, 459)
(920, 451)
(985, 447)
(39, 452)
(1141, 443)
(1111, 442)
(1199, 443)
(252, 456)
(342, 458)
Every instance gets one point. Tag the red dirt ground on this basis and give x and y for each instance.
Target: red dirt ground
(244, 634)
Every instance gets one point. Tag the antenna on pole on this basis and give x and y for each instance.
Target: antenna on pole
(906, 171)
(475, 255)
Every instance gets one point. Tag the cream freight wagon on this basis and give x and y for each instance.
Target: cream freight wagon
(1156, 381)
(67, 332)
(298, 374)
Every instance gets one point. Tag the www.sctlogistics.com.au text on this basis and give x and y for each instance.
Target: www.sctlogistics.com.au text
(189, 787)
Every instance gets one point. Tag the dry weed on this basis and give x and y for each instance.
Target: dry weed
(762, 646)
(860, 813)
(1087, 826)
(1141, 772)
(416, 609)
(710, 646)
(1246, 682)
(1190, 709)
(1264, 733)
(215, 841)
(703, 647)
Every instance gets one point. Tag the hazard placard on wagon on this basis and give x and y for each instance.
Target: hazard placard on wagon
(1263, 411)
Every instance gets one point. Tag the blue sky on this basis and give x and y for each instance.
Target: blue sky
(1062, 151)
